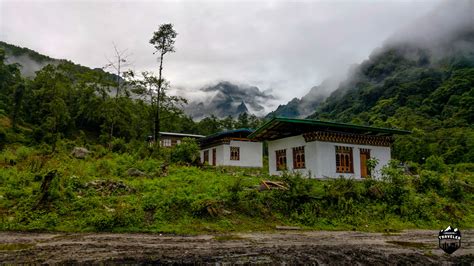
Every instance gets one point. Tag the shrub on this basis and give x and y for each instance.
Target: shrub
(23, 152)
(185, 152)
(455, 189)
(435, 163)
(429, 180)
(118, 145)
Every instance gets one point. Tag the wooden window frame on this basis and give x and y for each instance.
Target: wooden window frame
(280, 157)
(299, 158)
(234, 153)
(344, 160)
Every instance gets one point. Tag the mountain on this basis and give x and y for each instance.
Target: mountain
(228, 99)
(299, 108)
(422, 84)
(31, 61)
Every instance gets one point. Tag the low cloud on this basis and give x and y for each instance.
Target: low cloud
(285, 46)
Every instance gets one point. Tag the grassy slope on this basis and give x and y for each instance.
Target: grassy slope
(192, 200)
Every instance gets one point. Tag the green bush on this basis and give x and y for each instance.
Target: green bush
(435, 163)
(429, 180)
(185, 152)
(24, 152)
(118, 145)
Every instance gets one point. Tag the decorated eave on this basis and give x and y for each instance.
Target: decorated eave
(316, 130)
(225, 137)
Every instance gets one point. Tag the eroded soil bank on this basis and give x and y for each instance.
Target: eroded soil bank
(294, 247)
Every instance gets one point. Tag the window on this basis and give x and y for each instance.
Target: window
(344, 160)
(206, 157)
(234, 153)
(298, 157)
(166, 142)
(280, 160)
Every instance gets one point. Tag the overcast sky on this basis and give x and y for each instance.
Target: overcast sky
(283, 46)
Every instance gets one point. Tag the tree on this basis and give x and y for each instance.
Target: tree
(120, 61)
(163, 41)
(17, 103)
(160, 103)
(50, 103)
(243, 120)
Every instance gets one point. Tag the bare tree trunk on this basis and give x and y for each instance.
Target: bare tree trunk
(117, 93)
(158, 100)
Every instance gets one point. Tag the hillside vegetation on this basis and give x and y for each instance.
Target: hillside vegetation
(126, 185)
(57, 192)
(416, 88)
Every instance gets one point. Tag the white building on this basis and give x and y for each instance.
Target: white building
(320, 149)
(231, 148)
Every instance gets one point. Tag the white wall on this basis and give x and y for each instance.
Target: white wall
(209, 156)
(320, 157)
(288, 144)
(250, 154)
(219, 155)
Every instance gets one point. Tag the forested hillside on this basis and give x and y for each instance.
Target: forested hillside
(64, 100)
(428, 90)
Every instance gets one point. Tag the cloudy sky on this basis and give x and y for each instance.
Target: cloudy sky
(285, 47)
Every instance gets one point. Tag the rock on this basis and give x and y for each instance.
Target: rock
(80, 152)
(135, 172)
(109, 187)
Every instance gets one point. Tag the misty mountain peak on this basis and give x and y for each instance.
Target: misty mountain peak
(229, 99)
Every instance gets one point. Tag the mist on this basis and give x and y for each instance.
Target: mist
(287, 47)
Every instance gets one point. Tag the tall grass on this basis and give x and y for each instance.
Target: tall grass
(96, 194)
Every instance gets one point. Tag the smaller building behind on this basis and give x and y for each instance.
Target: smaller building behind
(171, 139)
(231, 148)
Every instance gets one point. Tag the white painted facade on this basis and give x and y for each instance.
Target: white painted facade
(250, 154)
(320, 157)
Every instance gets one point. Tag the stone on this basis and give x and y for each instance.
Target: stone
(80, 152)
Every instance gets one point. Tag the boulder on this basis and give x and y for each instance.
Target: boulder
(80, 152)
(135, 172)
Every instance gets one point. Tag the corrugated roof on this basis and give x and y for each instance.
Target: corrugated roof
(281, 127)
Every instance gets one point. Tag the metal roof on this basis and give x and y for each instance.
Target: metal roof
(181, 135)
(280, 127)
(236, 133)
(244, 132)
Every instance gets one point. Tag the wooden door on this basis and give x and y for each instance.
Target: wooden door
(364, 157)
(213, 157)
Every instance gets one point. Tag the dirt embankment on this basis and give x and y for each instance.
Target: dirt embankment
(294, 247)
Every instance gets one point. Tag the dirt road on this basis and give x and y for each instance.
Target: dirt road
(294, 247)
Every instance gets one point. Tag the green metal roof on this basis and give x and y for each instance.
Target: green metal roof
(240, 132)
(281, 127)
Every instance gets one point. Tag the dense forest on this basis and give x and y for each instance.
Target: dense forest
(65, 100)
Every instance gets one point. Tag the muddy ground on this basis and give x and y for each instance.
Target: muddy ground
(281, 247)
